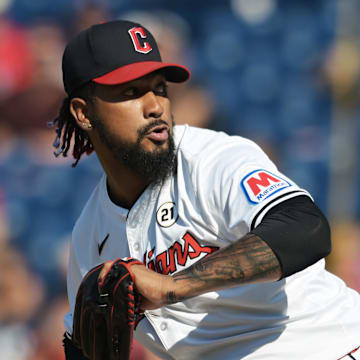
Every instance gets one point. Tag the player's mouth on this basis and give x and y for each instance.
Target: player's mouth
(158, 133)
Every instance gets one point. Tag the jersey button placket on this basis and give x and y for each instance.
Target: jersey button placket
(134, 227)
(132, 236)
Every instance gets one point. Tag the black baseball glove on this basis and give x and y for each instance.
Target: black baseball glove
(106, 312)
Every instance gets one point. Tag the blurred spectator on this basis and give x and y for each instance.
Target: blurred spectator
(40, 201)
(89, 13)
(49, 332)
(28, 111)
(21, 291)
(21, 294)
(344, 259)
(4, 226)
(342, 71)
(15, 58)
(195, 106)
(7, 140)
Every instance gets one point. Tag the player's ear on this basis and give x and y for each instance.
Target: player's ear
(79, 109)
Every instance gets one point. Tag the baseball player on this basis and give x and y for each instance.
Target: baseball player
(232, 250)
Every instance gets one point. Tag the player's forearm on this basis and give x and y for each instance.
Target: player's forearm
(249, 260)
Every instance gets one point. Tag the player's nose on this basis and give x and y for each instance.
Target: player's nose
(152, 106)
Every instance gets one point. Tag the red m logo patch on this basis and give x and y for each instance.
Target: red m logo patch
(260, 184)
(262, 180)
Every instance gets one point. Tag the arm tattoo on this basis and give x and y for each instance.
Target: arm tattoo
(172, 298)
(249, 260)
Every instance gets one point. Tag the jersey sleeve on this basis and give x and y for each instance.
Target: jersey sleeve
(239, 184)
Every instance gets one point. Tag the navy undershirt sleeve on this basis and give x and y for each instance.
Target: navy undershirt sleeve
(297, 232)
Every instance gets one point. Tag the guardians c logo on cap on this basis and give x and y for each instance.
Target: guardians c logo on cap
(114, 53)
(134, 33)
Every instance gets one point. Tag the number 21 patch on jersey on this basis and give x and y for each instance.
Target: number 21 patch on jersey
(167, 214)
(260, 184)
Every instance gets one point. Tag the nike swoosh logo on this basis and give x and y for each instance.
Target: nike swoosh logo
(103, 243)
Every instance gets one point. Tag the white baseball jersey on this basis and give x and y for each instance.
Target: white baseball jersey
(223, 187)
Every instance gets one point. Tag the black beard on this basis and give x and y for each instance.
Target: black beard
(153, 166)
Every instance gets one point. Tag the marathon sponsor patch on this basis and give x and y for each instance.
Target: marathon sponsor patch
(260, 184)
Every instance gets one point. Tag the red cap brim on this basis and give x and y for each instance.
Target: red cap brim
(173, 72)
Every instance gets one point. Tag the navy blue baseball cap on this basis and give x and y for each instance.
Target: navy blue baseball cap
(113, 53)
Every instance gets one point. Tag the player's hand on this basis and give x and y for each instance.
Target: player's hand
(152, 286)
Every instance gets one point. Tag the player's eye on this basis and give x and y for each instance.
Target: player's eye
(130, 92)
(162, 89)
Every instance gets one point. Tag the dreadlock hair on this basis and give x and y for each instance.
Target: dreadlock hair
(67, 128)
